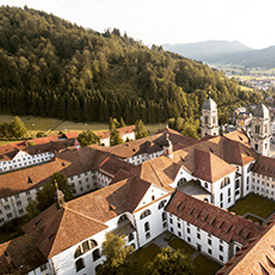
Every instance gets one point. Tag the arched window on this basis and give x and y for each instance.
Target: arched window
(96, 254)
(148, 235)
(237, 184)
(257, 129)
(79, 264)
(206, 185)
(182, 181)
(225, 182)
(162, 204)
(206, 119)
(133, 246)
(84, 247)
(146, 227)
(130, 237)
(164, 225)
(122, 218)
(206, 200)
(145, 213)
(249, 168)
(164, 217)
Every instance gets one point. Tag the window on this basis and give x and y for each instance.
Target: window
(198, 235)
(122, 218)
(79, 264)
(21, 211)
(257, 129)
(206, 119)
(146, 227)
(188, 230)
(182, 181)
(229, 192)
(146, 213)
(148, 235)
(179, 226)
(225, 182)
(189, 239)
(237, 184)
(19, 203)
(209, 242)
(43, 267)
(221, 197)
(221, 258)
(161, 204)
(84, 247)
(256, 147)
(17, 196)
(221, 248)
(164, 225)
(7, 207)
(179, 234)
(9, 215)
(209, 251)
(96, 254)
(164, 217)
(130, 237)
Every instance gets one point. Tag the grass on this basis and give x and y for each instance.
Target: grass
(254, 219)
(177, 243)
(144, 255)
(254, 204)
(205, 266)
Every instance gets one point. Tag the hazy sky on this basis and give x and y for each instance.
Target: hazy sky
(250, 22)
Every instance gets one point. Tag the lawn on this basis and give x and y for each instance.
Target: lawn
(177, 243)
(205, 266)
(144, 255)
(254, 204)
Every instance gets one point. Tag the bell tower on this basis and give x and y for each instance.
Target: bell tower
(260, 130)
(209, 119)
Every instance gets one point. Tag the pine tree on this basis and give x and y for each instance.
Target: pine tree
(140, 130)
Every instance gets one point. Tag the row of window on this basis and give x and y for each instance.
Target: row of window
(148, 212)
(263, 176)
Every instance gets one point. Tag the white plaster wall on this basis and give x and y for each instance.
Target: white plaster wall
(181, 174)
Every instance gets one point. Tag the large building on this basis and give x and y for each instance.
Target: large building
(145, 187)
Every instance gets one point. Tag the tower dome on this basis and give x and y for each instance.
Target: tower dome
(209, 104)
(261, 111)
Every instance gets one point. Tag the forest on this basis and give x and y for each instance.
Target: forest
(50, 67)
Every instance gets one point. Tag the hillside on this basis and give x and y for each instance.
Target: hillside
(52, 68)
(214, 51)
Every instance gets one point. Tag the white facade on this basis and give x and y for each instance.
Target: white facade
(22, 160)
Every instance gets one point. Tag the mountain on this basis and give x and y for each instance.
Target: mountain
(54, 68)
(223, 52)
(214, 51)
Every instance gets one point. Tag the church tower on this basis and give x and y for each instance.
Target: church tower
(168, 147)
(209, 119)
(260, 130)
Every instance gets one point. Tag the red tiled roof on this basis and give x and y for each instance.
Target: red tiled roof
(265, 166)
(214, 220)
(20, 255)
(123, 131)
(61, 228)
(256, 257)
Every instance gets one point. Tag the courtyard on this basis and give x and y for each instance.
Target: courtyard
(204, 265)
(255, 208)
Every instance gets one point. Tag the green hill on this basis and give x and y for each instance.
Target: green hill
(52, 68)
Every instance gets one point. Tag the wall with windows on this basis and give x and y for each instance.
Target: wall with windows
(199, 239)
(44, 269)
(151, 221)
(263, 185)
(224, 191)
(82, 258)
(23, 159)
(182, 177)
(138, 159)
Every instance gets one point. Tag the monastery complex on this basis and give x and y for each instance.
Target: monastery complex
(142, 188)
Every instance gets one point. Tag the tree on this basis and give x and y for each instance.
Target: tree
(46, 196)
(140, 130)
(190, 130)
(18, 128)
(87, 138)
(117, 253)
(170, 262)
(115, 137)
(122, 123)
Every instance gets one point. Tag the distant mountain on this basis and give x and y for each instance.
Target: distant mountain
(214, 51)
(223, 52)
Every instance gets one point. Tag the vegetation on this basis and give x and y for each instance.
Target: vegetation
(115, 137)
(254, 204)
(205, 266)
(117, 253)
(87, 138)
(15, 129)
(58, 69)
(170, 262)
(140, 130)
(46, 196)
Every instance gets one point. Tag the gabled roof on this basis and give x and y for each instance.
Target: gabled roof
(160, 171)
(214, 220)
(265, 166)
(61, 227)
(256, 257)
(20, 255)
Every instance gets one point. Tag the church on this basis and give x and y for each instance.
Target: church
(165, 182)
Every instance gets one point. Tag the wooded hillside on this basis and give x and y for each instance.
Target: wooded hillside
(50, 67)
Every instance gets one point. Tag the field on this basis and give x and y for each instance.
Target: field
(52, 126)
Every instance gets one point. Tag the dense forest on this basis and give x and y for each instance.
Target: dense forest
(52, 68)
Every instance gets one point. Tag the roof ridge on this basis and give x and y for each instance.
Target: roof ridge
(83, 215)
(156, 174)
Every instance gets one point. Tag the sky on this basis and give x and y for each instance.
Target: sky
(158, 22)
